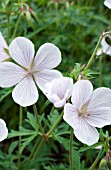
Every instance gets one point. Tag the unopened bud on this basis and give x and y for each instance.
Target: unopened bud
(28, 16)
(109, 163)
(102, 163)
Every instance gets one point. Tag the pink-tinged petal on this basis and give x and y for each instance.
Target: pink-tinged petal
(47, 57)
(101, 97)
(107, 3)
(25, 93)
(3, 54)
(3, 130)
(71, 116)
(45, 76)
(82, 92)
(60, 103)
(99, 117)
(10, 74)
(86, 134)
(22, 51)
(105, 46)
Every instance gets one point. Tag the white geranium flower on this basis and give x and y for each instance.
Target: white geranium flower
(3, 44)
(29, 69)
(107, 3)
(106, 48)
(3, 130)
(89, 109)
(59, 90)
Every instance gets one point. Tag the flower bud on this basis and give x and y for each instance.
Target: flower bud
(109, 163)
(103, 163)
(28, 16)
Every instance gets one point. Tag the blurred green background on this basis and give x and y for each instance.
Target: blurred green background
(74, 26)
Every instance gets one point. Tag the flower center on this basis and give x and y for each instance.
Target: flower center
(83, 110)
(29, 73)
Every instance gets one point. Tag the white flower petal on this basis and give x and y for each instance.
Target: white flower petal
(99, 117)
(59, 104)
(10, 74)
(101, 97)
(45, 76)
(71, 116)
(53, 98)
(3, 130)
(105, 47)
(22, 51)
(86, 133)
(3, 54)
(62, 87)
(47, 57)
(82, 92)
(107, 3)
(25, 93)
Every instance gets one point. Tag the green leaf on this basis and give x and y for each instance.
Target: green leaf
(27, 141)
(76, 160)
(24, 132)
(32, 120)
(12, 147)
(4, 93)
(90, 147)
(64, 142)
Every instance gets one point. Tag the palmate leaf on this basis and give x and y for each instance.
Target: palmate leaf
(32, 120)
(22, 132)
(26, 142)
(85, 148)
(55, 167)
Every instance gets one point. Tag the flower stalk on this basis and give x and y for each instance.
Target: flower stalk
(20, 137)
(95, 50)
(47, 135)
(97, 159)
(37, 118)
(71, 149)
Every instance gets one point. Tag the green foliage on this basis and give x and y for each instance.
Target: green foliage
(75, 27)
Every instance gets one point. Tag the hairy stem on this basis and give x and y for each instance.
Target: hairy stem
(95, 50)
(8, 27)
(16, 26)
(20, 137)
(97, 159)
(100, 68)
(46, 136)
(71, 149)
(37, 118)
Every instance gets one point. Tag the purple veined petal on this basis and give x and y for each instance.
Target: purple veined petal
(105, 46)
(10, 74)
(101, 97)
(3, 44)
(99, 117)
(86, 133)
(25, 92)
(3, 130)
(71, 115)
(82, 91)
(45, 76)
(22, 51)
(107, 3)
(47, 57)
